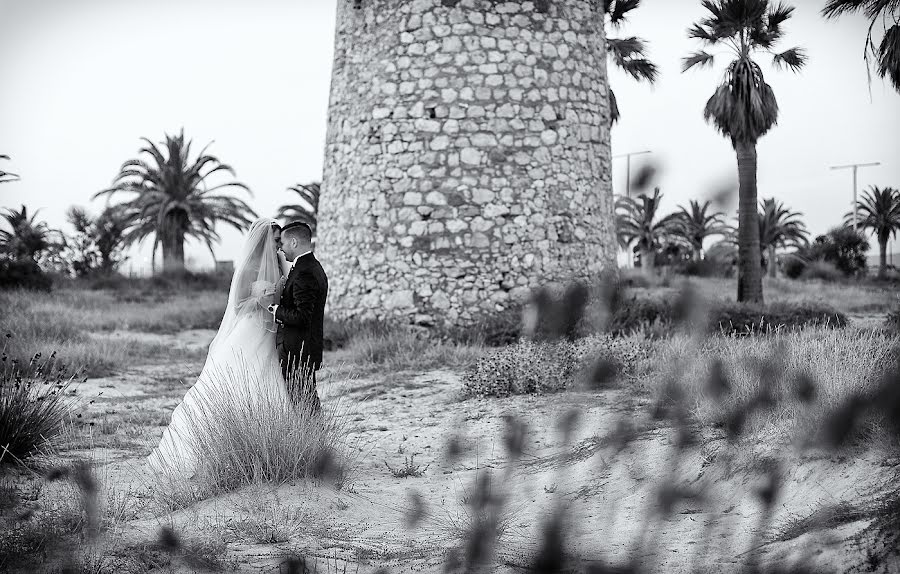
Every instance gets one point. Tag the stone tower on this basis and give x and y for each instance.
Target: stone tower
(467, 156)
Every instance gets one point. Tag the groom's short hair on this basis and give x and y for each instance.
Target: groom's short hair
(297, 229)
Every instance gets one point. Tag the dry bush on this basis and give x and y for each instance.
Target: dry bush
(535, 367)
(523, 368)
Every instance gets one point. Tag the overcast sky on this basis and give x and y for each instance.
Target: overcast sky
(82, 80)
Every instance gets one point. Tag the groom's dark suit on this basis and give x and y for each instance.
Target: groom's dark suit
(300, 317)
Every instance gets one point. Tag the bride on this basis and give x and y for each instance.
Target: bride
(242, 366)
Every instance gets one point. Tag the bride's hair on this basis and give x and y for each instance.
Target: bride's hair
(255, 280)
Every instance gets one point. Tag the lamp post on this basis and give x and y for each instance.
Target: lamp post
(855, 167)
(627, 157)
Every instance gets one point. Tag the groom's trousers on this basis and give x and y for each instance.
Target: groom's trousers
(300, 379)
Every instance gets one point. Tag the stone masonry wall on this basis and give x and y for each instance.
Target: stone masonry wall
(467, 156)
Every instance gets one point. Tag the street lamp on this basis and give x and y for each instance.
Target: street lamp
(855, 167)
(627, 157)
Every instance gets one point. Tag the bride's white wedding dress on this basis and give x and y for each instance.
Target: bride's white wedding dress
(241, 367)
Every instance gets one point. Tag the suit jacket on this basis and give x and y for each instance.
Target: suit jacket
(301, 311)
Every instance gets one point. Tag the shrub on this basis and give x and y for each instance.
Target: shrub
(25, 274)
(536, 367)
(628, 355)
(161, 283)
(639, 314)
(657, 317)
(843, 247)
(705, 268)
(794, 264)
(746, 318)
(821, 270)
(635, 278)
(35, 401)
(526, 367)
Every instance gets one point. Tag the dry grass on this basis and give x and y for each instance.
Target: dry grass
(244, 439)
(844, 296)
(67, 311)
(404, 349)
(61, 321)
(838, 364)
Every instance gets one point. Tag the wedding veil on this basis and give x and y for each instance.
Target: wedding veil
(255, 282)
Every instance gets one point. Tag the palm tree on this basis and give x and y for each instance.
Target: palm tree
(173, 199)
(743, 107)
(880, 211)
(5, 176)
(27, 236)
(694, 225)
(779, 228)
(887, 54)
(307, 206)
(628, 54)
(636, 224)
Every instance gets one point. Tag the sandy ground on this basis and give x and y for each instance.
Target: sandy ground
(609, 495)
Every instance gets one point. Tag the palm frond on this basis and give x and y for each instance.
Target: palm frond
(307, 208)
(889, 56)
(5, 176)
(641, 69)
(698, 32)
(699, 58)
(618, 10)
(793, 58)
(878, 210)
(743, 107)
(780, 227)
(835, 8)
(613, 107)
(170, 197)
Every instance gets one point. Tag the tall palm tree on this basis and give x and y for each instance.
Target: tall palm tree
(628, 54)
(173, 200)
(779, 227)
(743, 107)
(694, 225)
(879, 211)
(887, 54)
(5, 176)
(636, 223)
(26, 237)
(307, 207)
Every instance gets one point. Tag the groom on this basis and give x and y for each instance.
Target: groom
(300, 315)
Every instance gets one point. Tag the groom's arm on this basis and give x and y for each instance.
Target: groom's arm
(304, 291)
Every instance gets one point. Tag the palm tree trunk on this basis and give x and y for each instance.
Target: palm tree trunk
(647, 263)
(173, 241)
(772, 264)
(882, 256)
(749, 267)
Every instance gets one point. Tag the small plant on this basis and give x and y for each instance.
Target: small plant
(35, 401)
(409, 468)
